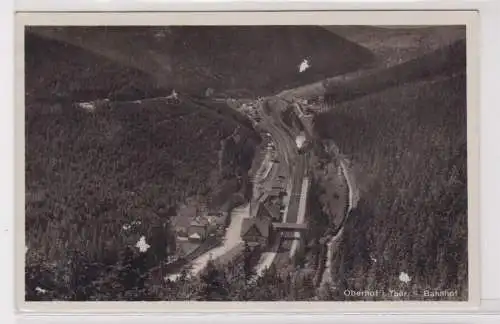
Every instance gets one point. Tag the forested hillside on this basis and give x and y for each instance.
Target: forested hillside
(228, 60)
(407, 143)
(103, 174)
(393, 45)
(126, 164)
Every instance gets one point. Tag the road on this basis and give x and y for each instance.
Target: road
(331, 246)
(232, 241)
(352, 200)
(267, 258)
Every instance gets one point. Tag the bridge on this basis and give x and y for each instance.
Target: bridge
(289, 227)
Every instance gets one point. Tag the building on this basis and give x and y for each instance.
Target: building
(190, 225)
(256, 231)
(263, 212)
(275, 191)
(181, 222)
(181, 225)
(273, 209)
(198, 229)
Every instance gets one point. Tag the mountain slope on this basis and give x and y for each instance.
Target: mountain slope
(395, 45)
(97, 180)
(239, 61)
(57, 71)
(443, 61)
(407, 143)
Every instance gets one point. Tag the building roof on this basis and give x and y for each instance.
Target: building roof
(185, 216)
(263, 212)
(273, 209)
(290, 226)
(199, 221)
(186, 247)
(254, 207)
(211, 219)
(195, 236)
(200, 231)
(188, 211)
(260, 225)
(180, 221)
(221, 220)
(275, 191)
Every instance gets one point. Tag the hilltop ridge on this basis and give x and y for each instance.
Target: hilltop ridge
(229, 60)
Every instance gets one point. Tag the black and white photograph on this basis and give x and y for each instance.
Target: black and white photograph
(246, 163)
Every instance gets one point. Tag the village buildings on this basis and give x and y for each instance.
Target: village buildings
(195, 224)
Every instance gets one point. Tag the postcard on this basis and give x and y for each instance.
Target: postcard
(305, 161)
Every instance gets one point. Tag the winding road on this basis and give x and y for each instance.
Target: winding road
(232, 242)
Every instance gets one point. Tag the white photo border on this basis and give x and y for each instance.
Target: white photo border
(464, 17)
